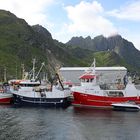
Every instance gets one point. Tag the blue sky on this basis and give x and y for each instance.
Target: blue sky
(67, 18)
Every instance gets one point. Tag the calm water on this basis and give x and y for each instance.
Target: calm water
(67, 124)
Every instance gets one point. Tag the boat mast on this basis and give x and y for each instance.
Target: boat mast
(16, 71)
(93, 66)
(33, 78)
(5, 76)
(23, 71)
(93, 69)
(57, 75)
(43, 64)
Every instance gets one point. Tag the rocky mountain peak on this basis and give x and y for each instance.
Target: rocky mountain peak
(41, 30)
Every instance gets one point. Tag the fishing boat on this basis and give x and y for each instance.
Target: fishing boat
(5, 95)
(90, 93)
(126, 106)
(6, 98)
(32, 92)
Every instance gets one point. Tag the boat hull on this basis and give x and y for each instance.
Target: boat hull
(47, 102)
(121, 108)
(81, 99)
(5, 98)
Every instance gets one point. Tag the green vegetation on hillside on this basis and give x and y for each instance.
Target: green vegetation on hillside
(20, 43)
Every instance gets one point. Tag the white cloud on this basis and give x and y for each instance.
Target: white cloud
(130, 11)
(89, 18)
(30, 10)
(135, 40)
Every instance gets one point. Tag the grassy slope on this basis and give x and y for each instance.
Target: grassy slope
(19, 43)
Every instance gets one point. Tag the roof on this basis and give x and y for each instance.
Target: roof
(97, 68)
(68, 83)
(29, 82)
(87, 76)
(14, 81)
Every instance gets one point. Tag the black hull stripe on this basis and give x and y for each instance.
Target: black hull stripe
(41, 101)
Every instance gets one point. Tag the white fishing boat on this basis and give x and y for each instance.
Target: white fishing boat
(31, 92)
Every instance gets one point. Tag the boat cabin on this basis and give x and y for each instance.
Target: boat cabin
(115, 93)
(88, 79)
(29, 84)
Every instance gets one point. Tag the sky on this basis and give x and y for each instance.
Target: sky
(67, 18)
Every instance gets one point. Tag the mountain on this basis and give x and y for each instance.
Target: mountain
(120, 46)
(20, 43)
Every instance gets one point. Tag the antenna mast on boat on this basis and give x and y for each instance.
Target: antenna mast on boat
(93, 66)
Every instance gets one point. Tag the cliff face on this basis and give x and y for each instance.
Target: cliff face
(20, 43)
(117, 44)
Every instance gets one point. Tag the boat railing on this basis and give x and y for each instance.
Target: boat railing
(5, 89)
(42, 88)
(112, 86)
(16, 87)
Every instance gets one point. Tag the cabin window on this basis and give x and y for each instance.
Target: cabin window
(91, 80)
(115, 94)
(29, 85)
(83, 80)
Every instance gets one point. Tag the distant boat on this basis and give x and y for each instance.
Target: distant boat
(126, 106)
(90, 94)
(31, 92)
(5, 96)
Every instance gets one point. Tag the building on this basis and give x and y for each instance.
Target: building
(105, 74)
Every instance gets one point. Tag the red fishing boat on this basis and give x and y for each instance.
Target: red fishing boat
(90, 94)
(5, 96)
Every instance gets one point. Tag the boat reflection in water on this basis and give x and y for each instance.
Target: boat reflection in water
(71, 123)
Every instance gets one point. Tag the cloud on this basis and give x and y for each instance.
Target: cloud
(33, 11)
(134, 38)
(131, 11)
(89, 18)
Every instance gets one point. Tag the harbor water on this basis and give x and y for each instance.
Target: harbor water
(23, 123)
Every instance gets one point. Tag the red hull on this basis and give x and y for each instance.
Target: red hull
(6, 100)
(99, 101)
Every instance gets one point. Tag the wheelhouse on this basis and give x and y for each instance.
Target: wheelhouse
(29, 84)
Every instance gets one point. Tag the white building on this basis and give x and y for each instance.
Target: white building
(105, 74)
